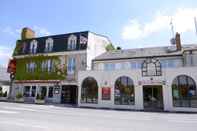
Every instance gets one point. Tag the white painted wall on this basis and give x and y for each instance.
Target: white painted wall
(96, 46)
(110, 77)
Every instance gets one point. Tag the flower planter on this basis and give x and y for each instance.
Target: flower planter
(19, 100)
(39, 101)
(3, 98)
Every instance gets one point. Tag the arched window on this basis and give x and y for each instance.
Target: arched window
(49, 45)
(151, 67)
(184, 92)
(72, 42)
(89, 91)
(124, 91)
(33, 46)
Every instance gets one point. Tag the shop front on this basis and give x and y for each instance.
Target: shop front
(175, 90)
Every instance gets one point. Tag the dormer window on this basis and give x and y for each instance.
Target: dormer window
(49, 45)
(72, 42)
(33, 46)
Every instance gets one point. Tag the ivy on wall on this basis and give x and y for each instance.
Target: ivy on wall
(58, 72)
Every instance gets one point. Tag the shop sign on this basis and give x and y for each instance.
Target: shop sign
(106, 93)
(57, 90)
(151, 82)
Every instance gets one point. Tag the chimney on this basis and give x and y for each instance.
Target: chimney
(178, 41)
(27, 33)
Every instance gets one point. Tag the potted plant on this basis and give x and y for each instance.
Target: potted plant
(3, 96)
(40, 99)
(19, 97)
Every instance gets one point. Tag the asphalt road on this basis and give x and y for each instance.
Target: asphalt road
(29, 117)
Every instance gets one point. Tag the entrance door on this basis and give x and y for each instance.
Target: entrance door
(69, 94)
(153, 97)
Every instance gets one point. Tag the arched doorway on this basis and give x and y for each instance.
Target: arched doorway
(124, 91)
(184, 92)
(89, 91)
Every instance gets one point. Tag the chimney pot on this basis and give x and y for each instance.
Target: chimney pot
(178, 42)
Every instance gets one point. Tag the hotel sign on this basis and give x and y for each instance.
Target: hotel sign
(151, 82)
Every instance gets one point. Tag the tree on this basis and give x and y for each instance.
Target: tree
(110, 47)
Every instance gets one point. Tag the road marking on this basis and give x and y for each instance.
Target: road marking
(18, 108)
(8, 112)
(23, 124)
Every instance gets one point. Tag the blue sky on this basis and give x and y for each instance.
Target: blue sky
(128, 23)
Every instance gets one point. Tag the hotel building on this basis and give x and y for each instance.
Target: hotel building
(49, 65)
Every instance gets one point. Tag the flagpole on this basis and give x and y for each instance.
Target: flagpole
(195, 23)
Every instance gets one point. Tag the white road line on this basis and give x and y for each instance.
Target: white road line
(23, 124)
(8, 112)
(19, 108)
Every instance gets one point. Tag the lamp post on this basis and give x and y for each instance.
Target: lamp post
(12, 76)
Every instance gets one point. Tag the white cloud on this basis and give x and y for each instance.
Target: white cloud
(5, 55)
(183, 21)
(9, 30)
(41, 31)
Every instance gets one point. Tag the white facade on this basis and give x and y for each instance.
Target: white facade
(109, 77)
(112, 65)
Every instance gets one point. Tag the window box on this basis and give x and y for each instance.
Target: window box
(19, 100)
(38, 101)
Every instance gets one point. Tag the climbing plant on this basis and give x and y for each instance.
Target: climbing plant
(58, 71)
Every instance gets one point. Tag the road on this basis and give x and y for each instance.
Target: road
(30, 117)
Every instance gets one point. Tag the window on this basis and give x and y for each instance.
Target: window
(30, 67)
(47, 65)
(109, 66)
(24, 47)
(44, 66)
(124, 91)
(168, 63)
(151, 67)
(33, 46)
(49, 45)
(50, 93)
(33, 91)
(72, 42)
(122, 66)
(26, 92)
(135, 65)
(89, 91)
(184, 92)
(43, 91)
(71, 65)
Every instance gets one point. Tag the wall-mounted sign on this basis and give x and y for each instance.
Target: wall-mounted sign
(57, 90)
(151, 82)
(106, 93)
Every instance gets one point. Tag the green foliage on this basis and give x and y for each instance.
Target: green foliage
(40, 97)
(19, 95)
(5, 94)
(57, 72)
(110, 47)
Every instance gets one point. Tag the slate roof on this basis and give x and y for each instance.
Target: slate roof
(59, 43)
(143, 52)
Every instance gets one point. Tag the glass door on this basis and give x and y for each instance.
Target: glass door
(153, 97)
